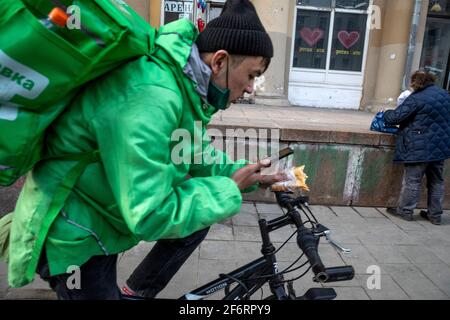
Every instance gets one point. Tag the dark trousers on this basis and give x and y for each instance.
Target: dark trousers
(99, 274)
(411, 187)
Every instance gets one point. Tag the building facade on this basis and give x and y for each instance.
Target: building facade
(348, 54)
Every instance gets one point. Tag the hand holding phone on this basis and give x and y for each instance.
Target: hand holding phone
(273, 160)
(283, 153)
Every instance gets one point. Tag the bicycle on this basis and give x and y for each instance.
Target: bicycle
(243, 282)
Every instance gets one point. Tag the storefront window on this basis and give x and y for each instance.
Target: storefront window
(214, 9)
(439, 8)
(348, 41)
(348, 35)
(311, 42)
(436, 46)
(174, 10)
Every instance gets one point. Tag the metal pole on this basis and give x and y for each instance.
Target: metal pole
(194, 12)
(412, 43)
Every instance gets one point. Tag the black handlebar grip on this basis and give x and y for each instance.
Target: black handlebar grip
(308, 244)
(343, 273)
(286, 199)
(283, 198)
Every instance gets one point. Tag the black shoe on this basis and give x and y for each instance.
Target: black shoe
(394, 212)
(433, 219)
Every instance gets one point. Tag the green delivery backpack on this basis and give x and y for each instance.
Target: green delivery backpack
(43, 65)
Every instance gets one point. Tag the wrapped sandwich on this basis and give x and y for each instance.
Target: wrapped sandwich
(296, 180)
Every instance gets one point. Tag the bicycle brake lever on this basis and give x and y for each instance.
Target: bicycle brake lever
(335, 244)
(320, 229)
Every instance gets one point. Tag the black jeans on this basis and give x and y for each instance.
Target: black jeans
(99, 274)
(411, 188)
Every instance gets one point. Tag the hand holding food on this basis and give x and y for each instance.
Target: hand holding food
(296, 180)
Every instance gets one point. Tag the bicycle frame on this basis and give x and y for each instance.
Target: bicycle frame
(244, 287)
(248, 277)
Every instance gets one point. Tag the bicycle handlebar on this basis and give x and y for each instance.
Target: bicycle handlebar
(336, 274)
(285, 199)
(308, 242)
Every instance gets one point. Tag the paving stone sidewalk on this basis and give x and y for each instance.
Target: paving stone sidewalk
(412, 257)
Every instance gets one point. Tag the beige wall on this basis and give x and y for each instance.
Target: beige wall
(142, 7)
(275, 17)
(155, 13)
(387, 53)
(289, 48)
(150, 10)
(373, 58)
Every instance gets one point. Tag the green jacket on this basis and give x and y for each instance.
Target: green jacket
(138, 117)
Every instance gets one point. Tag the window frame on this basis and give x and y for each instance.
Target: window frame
(333, 10)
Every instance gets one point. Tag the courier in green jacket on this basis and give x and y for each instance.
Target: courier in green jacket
(138, 190)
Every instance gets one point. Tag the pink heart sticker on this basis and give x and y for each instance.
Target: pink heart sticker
(311, 37)
(347, 39)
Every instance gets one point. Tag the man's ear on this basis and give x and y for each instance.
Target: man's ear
(219, 61)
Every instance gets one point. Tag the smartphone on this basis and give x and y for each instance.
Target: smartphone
(283, 153)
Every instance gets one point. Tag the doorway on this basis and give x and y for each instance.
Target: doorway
(329, 50)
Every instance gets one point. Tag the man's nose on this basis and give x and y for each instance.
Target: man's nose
(249, 88)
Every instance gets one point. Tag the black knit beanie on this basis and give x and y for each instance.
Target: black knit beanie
(237, 30)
